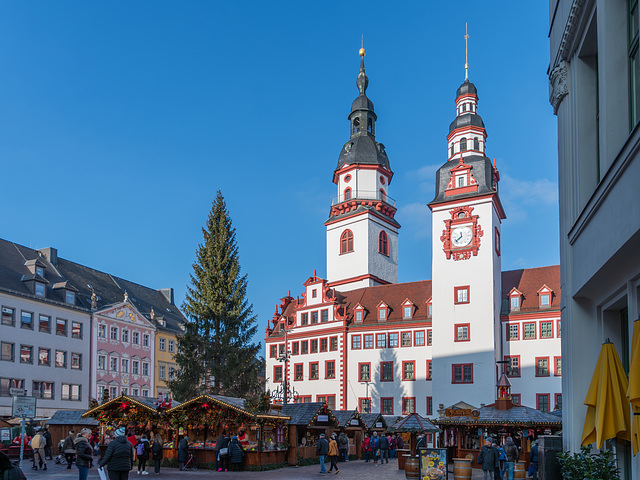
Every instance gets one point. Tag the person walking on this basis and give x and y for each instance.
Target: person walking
(533, 459)
(366, 447)
(343, 446)
(183, 452)
(392, 446)
(48, 448)
(501, 458)
(236, 454)
(119, 456)
(143, 449)
(157, 451)
(322, 450)
(223, 456)
(384, 448)
(84, 453)
(374, 442)
(38, 442)
(334, 452)
(399, 442)
(217, 448)
(488, 459)
(68, 448)
(512, 453)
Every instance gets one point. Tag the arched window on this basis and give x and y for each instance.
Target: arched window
(476, 144)
(356, 124)
(383, 195)
(464, 107)
(451, 155)
(383, 243)
(463, 144)
(346, 242)
(347, 194)
(370, 125)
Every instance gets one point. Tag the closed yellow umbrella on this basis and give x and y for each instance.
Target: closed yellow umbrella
(607, 402)
(634, 386)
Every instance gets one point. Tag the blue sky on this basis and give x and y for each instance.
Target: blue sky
(120, 120)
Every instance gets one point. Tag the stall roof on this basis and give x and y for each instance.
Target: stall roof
(518, 415)
(71, 417)
(344, 417)
(148, 403)
(234, 403)
(413, 423)
(370, 420)
(304, 413)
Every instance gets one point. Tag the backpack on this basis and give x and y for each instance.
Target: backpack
(140, 448)
(344, 440)
(13, 473)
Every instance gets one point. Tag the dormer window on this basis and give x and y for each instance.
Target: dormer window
(544, 295)
(515, 303)
(40, 271)
(70, 297)
(358, 314)
(40, 289)
(430, 309)
(515, 299)
(460, 181)
(383, 312)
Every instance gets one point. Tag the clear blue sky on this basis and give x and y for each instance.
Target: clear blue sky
(120, 120)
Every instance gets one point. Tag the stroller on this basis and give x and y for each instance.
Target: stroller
(60, 458)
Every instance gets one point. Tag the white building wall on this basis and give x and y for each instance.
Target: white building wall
(31, 372)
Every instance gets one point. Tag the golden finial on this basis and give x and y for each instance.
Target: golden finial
(362, 52)
(466, 52)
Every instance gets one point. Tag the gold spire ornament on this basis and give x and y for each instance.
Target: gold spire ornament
(466, 52)
(362, 51)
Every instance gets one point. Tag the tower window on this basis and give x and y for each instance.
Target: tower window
(476, 144)
(463, 144)
(383, 196)
(347, 193)
(356, 124)
(460, 181)
(383, 243)
(346, 242)
(370, 125)
(464, 107)
(451, 154)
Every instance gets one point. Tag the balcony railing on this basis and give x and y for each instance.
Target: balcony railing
(363, 195)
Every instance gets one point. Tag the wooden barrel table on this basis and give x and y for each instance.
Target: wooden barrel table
(412, 467)
(462, 469)
(518, 470)
(402, 455)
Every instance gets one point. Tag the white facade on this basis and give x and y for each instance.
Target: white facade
(595, 94)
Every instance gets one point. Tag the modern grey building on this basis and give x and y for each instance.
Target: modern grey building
(594, 77)
(47, 344)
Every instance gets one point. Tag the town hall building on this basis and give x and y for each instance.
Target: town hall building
(359, 339)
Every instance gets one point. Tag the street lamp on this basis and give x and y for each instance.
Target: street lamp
(284, 392)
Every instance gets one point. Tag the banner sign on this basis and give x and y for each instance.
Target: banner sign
(433, 463)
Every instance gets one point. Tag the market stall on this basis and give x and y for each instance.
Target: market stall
(262, 434)
(63, 421)
(466, 427)
(308, 421)
(374, 422)
(353, 425)
(412, 424)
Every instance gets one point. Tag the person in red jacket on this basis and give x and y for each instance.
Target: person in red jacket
(366, 447)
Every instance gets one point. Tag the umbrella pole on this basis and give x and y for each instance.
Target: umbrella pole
(413, 444)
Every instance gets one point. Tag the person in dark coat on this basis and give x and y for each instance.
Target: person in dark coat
(533, 459)
(69, 449)
(217, 448)
(399, 442)
(84, 453)
(223, 458)
(158, 451)
(512, 453)
(143, 449)
(119, 457)
(9, 471)
(384, 448)
(488, 459)
(48, 450)
(236, 454)
(322, 450)
(183, 452)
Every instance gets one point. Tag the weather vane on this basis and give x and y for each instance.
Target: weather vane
(466, 52)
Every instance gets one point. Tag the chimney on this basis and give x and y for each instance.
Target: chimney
(168, 294)
(51, 254)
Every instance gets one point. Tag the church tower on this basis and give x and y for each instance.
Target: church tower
(467, 215)
(362, 234)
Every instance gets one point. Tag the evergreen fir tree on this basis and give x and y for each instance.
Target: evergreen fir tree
(217, 355)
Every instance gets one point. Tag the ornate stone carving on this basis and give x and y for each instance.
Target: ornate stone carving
(559, 87)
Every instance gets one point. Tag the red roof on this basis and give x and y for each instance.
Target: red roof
(528, 281)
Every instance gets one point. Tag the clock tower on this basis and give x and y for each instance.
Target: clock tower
(362, 233)
(466, 298)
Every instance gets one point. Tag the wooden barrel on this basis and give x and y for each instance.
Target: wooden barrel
(402, 455)
(518, 471)
(461, 469)
(411, 467)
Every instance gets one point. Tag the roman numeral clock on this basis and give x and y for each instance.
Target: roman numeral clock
(461, 235)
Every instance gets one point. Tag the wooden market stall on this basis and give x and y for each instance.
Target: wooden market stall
(353, 425)
(465, 427)
(63, 421)
(374, 422)
(308, 421)
(412, 424)
(262, 434)
(139, 415)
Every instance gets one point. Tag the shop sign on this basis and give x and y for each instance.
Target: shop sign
(354, 421)
(433, 463)
(461, 412)
(24, 407)
(5, 434)
(378, 424)
(322, 418)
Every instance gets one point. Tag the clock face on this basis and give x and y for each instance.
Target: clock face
(461, 236)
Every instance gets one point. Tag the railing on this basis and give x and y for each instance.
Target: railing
(363, 195)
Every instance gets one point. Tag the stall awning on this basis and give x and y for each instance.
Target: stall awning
(309, 414)
(517, 416)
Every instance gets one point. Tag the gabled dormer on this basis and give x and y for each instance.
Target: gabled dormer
(383, 311)
(408, 309)
(36, 266)
(359, 313)
(545, 296)
(461, 181)
(515, 299)
(67, 291)
(430, 307)
(314, 292)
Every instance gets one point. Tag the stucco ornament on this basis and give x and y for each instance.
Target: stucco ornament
(558, 86)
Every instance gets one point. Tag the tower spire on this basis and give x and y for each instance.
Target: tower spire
(466, 52)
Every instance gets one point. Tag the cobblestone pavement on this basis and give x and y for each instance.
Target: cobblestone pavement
(351, 470)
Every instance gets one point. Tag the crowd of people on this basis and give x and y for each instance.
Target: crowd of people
(498, 460)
